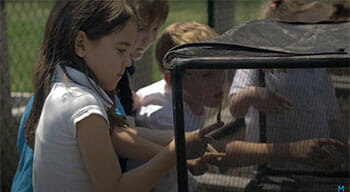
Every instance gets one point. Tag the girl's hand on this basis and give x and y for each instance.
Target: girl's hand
(200, 165)
(197, 141)
(322, 153)
(267, 101)
(197, 166)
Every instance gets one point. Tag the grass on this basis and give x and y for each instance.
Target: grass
(26, 21)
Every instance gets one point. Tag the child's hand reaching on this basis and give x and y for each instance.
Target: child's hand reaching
(268, 101)
(197, 166)
(260, 98)
(197, 141)
(200, 165)
(323, 153)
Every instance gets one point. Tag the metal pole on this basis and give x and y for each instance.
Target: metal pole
(2, 117)
(211, 13)
(8, 159)
(221, 14)
(179, 126)
(262, 130)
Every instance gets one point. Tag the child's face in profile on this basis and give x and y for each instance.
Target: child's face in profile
(146, 34)
(108, 56)
(204, 87)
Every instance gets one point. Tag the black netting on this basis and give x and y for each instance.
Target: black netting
(300, 65)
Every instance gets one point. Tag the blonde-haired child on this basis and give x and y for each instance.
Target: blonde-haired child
(202, 89)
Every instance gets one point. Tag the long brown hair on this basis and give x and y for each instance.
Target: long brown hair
(96, 19)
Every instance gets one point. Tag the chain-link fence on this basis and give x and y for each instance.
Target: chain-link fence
(21, 29)
(22, 24)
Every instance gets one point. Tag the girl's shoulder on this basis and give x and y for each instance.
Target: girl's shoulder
(73, 97)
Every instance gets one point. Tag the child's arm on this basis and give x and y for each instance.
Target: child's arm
(161, 137)
(128, 144)
(98, 153)
(240, 102)
(158, 136)
(102, 164)
(241, 153)
(259, 98)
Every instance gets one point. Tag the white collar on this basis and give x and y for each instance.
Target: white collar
(84, 81)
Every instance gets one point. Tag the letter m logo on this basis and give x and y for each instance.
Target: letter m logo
(340, 188)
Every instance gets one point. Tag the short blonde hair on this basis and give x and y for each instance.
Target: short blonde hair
(178, 34)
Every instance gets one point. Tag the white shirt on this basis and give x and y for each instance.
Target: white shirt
(58, 165)
(156, 112)
(313, 104)
(156, 109)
